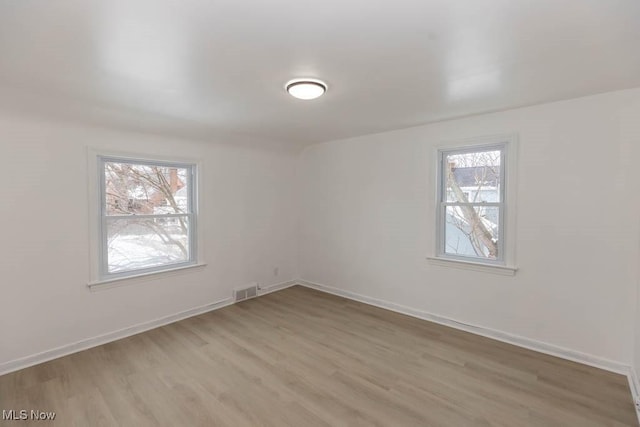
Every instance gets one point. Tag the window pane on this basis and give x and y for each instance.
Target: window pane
(137, 243)
(145, 189)
(472, 231)
(472, 177)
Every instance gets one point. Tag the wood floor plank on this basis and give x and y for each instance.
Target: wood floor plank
(302, 357)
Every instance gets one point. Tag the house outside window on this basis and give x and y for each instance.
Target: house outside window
(147, 216)
(472, 203)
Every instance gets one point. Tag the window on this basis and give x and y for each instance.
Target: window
(471, 203)
(147, 216)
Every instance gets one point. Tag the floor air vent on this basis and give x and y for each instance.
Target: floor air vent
(245, 293)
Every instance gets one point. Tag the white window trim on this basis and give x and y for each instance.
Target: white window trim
(142, 277)
(95, 181)
(506, 264)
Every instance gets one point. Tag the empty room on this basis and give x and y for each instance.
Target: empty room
(339, 213)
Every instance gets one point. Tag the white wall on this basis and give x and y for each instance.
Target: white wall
(249, 226)
(636, 359)
(367, 217)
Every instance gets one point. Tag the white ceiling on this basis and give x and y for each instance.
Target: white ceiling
(210, 67)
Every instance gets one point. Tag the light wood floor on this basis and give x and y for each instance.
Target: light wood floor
(299, 357)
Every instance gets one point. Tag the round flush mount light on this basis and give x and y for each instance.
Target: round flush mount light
(306, 88)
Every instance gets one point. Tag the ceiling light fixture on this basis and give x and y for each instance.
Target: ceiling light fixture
(306, 88)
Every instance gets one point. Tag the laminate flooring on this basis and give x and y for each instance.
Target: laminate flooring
(299, 357)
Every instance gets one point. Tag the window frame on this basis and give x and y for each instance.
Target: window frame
(505, 263)
(99, 276)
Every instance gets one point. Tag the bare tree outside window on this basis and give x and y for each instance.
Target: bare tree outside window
(147, 215)
(471, 202)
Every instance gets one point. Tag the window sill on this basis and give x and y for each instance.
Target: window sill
(476, 266)
(119, 281)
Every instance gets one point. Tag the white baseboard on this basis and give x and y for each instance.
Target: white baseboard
(276, 287)
(634, 385)
(25, 362)
(520, 341)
